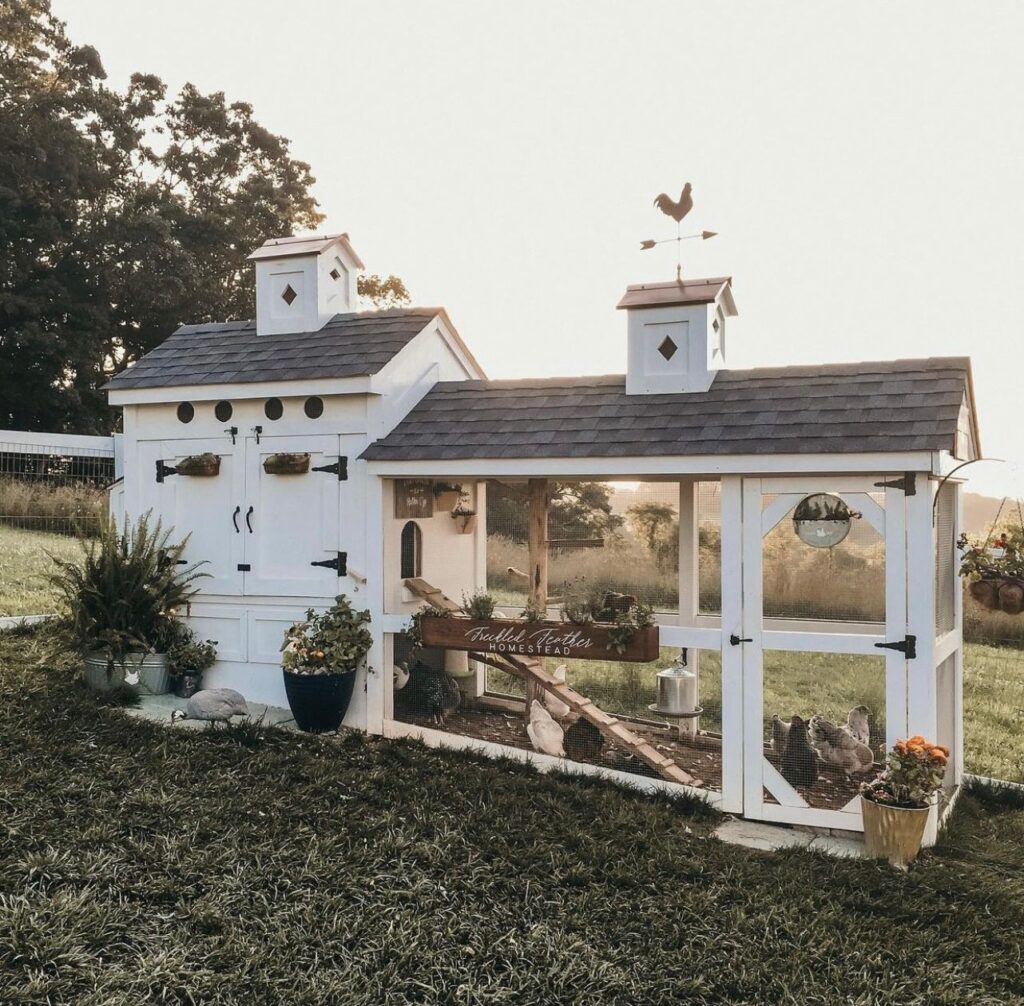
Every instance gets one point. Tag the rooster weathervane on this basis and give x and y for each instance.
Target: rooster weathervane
(677, 210)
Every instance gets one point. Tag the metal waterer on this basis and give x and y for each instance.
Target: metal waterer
(677, 695)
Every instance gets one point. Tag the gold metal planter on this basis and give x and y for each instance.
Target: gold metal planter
(893, 833)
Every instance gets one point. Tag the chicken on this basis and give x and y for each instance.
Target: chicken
(554, 704)
(837, 746)
(780, 733)
(675, 210)
(583, 741)
(857, 724)
(401, 676)
(428, 691)
(213, 705)
(799, 762)
(546, 735)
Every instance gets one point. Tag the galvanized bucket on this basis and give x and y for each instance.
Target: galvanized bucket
(150, 667)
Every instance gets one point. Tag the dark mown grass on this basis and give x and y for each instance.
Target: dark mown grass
(142, 864)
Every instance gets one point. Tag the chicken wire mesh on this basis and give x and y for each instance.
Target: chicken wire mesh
(945, 558)
(843, 583)
(426, 695)
(824, 722)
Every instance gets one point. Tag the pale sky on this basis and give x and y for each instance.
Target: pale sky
(862, 163)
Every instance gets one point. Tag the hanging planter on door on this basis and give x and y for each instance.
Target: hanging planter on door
(822, 520)
(198, 466)
(286, 464)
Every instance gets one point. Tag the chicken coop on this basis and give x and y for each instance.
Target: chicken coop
(740, 583)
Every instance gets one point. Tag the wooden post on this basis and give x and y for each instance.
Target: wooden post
(538, 552)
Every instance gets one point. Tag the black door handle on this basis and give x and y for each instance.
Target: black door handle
(234, 519)
(248, 523)
(735, 640)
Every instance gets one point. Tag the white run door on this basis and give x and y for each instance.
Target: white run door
(821, 631)
(291, 522)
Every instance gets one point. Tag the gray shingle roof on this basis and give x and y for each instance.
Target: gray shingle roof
(349, 345)
(901, 405)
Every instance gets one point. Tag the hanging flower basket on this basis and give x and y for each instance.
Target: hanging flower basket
(286, 464)
(199, 466)
(996, 571)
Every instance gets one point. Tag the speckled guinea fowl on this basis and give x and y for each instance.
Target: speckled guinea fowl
(428, 691)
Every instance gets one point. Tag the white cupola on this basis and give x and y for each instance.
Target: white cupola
(676, 334)
(303, 281)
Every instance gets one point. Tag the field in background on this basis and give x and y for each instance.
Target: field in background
(24, 564)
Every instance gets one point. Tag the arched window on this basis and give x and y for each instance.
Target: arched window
(412, 550)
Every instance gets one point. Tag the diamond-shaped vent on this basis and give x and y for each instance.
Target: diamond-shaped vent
(667, 348)
(335, 275)
(289, 295)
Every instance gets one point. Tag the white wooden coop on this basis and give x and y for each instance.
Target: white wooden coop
(395, 413)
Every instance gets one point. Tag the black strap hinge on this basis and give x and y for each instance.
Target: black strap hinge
(162, 471)
(339, 468)
(907, 645)
(340, 564)
(908, 483)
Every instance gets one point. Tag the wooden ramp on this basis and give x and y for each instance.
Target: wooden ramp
(532, 669)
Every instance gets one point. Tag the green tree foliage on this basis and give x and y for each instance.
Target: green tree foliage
(122, 215)
(577, 510)
(657, 526)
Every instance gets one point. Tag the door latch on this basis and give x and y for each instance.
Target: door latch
(232, 431)
(736, 640)
(340, 563)
(258, 430)
(907, 645)
(244, 567)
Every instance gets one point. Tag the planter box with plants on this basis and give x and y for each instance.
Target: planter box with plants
(630, 635)
(320, 657)
(995, 570)
(119, 602)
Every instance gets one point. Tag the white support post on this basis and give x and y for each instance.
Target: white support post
(480, 574)
(732, 656)
(689, 580)
(958, 658)
(379, 683)
(922, 698)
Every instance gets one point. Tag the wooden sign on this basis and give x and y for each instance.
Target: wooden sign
(413, 498)
(536, 639)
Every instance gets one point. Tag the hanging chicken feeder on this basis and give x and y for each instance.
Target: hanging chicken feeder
(822, 520)
(677, 694)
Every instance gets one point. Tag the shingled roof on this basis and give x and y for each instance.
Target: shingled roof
(349, 345)
(900, 405)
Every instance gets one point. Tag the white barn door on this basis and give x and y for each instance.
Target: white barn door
(206, 509)
(824, 632)
(291, 522)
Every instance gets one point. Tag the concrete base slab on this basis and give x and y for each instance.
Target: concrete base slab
(851, 848)
(758, 835)
(158, 709)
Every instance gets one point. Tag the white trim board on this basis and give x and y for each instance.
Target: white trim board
(835, 465)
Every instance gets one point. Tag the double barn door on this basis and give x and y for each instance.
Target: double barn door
(256, 533)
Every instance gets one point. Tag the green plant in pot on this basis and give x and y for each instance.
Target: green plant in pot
(320, 657)
(118, 603)
(189, 658)
(896, 803)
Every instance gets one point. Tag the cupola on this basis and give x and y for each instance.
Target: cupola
(676, 334)
(303, 281)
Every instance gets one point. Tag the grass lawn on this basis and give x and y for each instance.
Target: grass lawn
(142, 864)
(23, 568)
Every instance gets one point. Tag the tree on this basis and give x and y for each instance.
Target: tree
(577, 510)
(122, 215)
(657, 526)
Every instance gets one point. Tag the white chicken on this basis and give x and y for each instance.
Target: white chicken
(545, 734)
(558, 709)
(857, 724)
(837, 746)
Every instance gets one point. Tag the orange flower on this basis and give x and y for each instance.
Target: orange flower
(940, 754)
(917, 739)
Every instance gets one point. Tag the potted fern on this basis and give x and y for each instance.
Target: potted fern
(118, 603)
(320, 657)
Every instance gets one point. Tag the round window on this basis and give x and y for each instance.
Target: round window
(223, 410)
(186, 413)
(314, 407)
(822, 520)
(273, 409)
